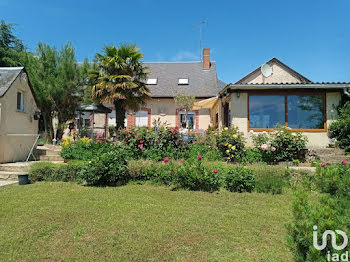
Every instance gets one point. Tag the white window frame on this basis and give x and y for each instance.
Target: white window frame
(152, 81)
(183, 81)
(21, 109)
(189, 113)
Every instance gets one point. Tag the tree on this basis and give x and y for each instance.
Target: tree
(58, 82)
(120, 80)
(11, 48)
(186, 102)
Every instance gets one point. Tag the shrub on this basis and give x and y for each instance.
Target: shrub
(84, 149)
(250, 155)
(340, 129)
(281, 145)
(153, 143)
(106, 169)
(239, 179)
(193, 175)
(230, 143)
(46, 171)
(209, 153)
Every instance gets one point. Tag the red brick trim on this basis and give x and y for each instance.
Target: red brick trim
(132, 117)
(106, 126)
(131, 120)
(197, 118)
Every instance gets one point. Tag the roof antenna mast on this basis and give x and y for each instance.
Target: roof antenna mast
(200, 38)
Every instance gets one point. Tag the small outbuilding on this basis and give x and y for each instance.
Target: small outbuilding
(18, 115)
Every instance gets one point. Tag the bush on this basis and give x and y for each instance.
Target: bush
(340, 129)
(209, 153)
(153, 144)
(230, 143)
(328, 210)
(84, 149)
(250, 155)
(193, 175)
(239, 179)
(281, 145)
(108, 169)
(46, 171)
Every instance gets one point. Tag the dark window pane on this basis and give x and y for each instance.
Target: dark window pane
(305, 112)
(266, 111)
(19, 101)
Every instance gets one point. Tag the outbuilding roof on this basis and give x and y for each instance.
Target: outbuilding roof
(201, 82)
(7, 76)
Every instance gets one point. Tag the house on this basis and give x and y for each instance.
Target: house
(18, 114)
(275, 94)
(168, 79)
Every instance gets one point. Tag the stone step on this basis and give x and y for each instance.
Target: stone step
(7, 175)
(43, 152)
(16, 167)
(50, 158)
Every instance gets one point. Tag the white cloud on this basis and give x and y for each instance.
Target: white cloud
(184, 55)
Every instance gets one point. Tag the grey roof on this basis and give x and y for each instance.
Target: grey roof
(300, 77)
(201, 83)
(7, 76)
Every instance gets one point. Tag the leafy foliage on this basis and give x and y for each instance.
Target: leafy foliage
(340, 129)
(11, 48)
(281, 145)
(108, 169)
(120, 79)
(230, 143)
(239, 179)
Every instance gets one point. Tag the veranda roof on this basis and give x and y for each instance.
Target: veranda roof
(206, 103)
(96, 108)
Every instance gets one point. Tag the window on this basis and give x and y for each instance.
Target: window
(20, 102)
(151, 81)
(266, 111)
(190, 123)
(183, 81)
(305, 112)
(301, 112)
(141, 118)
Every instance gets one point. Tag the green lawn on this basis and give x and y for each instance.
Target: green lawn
(69, 222)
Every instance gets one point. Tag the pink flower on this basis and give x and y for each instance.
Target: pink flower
(273, 149)
(344, 162)
(324, 164)
(275, 132)
(264, 147)
(141, 142)
(199, 157)
(166, 159)
(126, 147)
(182, 160)
(215, 171)
(140, 146)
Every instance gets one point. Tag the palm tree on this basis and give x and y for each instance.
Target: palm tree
(120, 80)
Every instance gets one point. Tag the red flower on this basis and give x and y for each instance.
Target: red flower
(199, 157)
(141, 142)
(215, 171)
(140, 146)
(197, 133)
(138, 138)
(182, 160)
(166, 159)
(324, 164)
(125, 140)
(344, 162)
(172, 132)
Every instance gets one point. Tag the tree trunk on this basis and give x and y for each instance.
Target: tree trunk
(119, 115)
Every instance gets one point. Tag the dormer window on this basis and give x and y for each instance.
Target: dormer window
(151, 81)
(183, 81)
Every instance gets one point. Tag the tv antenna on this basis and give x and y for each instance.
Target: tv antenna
(200, 37)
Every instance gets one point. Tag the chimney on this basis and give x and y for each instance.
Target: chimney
(206, 58)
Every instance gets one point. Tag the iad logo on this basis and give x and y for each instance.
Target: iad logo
(335, 256)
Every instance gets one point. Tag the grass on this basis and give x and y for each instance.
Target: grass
(68, 222)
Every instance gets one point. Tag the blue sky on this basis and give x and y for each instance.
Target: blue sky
(311, 36)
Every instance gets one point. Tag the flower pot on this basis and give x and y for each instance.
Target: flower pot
(23, 180)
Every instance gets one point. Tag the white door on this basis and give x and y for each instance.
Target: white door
(141, 118)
